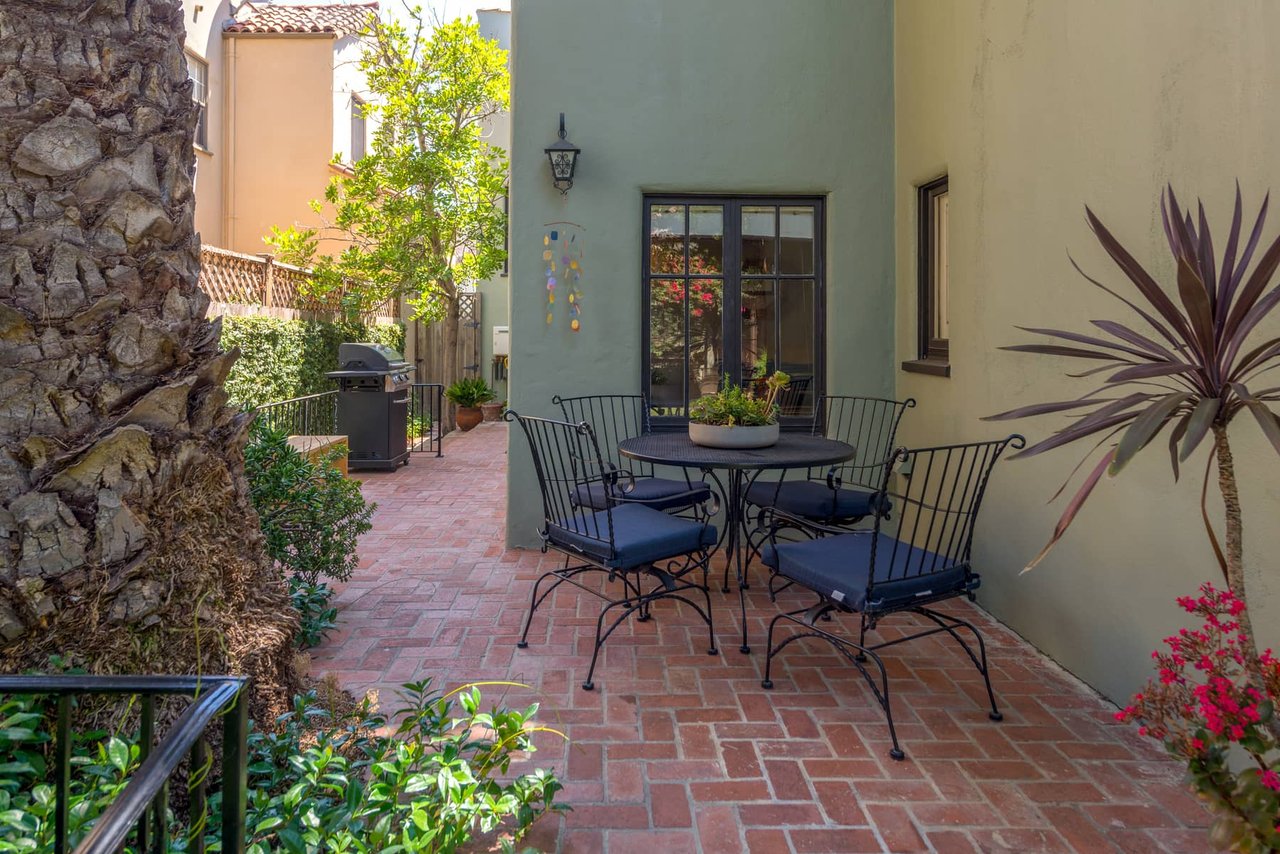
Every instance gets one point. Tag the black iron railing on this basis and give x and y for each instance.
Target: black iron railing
(310, 415)
(426, 406)
(317, 415)
(138, 817)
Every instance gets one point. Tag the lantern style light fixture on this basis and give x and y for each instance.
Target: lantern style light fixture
(563, 155)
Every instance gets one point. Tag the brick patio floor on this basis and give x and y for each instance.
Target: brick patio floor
(677, 751)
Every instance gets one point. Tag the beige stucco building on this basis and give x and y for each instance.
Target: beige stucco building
(281, 92)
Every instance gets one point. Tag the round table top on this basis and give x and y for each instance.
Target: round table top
(793, 450)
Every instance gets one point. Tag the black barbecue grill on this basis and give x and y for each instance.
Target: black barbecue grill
(373, 405)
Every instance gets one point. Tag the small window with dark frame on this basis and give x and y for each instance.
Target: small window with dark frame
(934, 323)
(359, 130)
(198, 71)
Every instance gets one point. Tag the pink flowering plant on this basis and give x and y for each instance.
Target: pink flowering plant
(1213, 705)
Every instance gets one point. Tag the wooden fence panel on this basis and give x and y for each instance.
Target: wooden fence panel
(429, 344)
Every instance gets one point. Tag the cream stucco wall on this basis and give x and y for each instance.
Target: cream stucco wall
(281, 133)
(203, 21)
(1035, 110)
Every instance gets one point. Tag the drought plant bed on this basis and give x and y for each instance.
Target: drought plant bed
(330, 775)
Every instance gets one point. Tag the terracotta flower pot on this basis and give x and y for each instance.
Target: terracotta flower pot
(468, 417)
(492, 411)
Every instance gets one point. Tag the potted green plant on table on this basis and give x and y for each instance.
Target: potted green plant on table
(468, 395)
(736, 418)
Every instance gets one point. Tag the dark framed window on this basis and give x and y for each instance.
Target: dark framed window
(359, 130)
(198, 71)
(934, 335)
(733, 286)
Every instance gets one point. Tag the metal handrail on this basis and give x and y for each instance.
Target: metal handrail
(427, 400)
(148, 786)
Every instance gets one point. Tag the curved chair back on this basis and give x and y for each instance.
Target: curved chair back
(613, 417)
(936, 501)
(566, 457)
(870, 424)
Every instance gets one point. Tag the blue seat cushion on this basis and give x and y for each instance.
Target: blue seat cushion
(813, 499)
(641, 535)
(656, 492)
(837, 567)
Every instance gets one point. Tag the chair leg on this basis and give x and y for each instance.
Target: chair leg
(950, 623)
(602, 635)
(706, 595)
(534, 602)
(862, 638)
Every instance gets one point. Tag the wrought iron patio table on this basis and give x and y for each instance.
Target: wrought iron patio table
(742, 466)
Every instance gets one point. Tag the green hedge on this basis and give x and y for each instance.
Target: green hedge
(280, 359)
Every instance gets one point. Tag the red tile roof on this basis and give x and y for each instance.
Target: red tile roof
(339, 18)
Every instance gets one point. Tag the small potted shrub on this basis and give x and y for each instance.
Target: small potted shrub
(736, 418)
(493, 411)
(468, 395)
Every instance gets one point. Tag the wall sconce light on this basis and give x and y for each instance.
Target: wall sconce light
(563, 155)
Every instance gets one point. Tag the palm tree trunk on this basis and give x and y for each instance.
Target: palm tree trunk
(129, 544)
(1234, 547)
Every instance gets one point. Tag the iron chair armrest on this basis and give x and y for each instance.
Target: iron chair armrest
(835, 482)
(703, 512)
(777, 519)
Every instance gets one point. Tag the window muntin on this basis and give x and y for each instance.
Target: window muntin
(727, 275)
(198, 71)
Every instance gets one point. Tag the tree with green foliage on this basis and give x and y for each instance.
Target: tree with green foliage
(421, 210)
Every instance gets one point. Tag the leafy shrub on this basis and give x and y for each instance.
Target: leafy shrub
(329, 782)
(316, 616)
(736, 407)
(311, 515)
(1211, 707)
(471, 391)
(312, 518)
(280, 359)
(27, 802)
(323, 780)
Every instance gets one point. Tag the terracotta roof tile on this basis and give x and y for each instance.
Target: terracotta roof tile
(338, 18)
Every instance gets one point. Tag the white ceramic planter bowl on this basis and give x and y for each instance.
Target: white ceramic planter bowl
(720, 436)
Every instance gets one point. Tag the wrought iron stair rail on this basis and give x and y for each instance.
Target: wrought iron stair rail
(309, 415)
(317, 415)
(141, 807)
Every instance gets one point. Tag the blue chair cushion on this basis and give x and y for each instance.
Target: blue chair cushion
(656, 492)
(837, 567)
(641, 535)
(813, 499)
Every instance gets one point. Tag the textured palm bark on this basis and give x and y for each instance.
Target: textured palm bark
(129, 543)
(1234, 548)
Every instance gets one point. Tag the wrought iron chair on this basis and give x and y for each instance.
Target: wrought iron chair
(626, 540)
(906, 565)
(842, 495)
(615, 417)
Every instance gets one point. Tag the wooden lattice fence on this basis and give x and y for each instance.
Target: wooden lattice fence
(252, 284)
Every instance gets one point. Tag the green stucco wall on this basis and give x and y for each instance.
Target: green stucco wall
(753, 96)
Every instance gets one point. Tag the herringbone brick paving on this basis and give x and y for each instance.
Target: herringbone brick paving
(677, 751)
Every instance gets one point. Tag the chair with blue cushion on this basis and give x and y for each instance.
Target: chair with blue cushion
(908, 563)
(842, 495)
(615, 417)
(654, 555)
